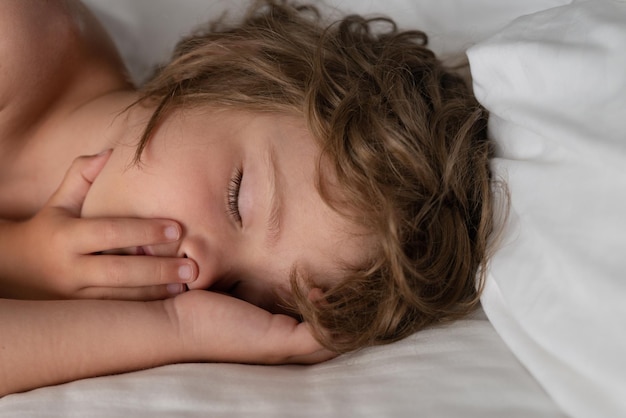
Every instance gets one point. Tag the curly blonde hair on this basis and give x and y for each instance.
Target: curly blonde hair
(405, 136)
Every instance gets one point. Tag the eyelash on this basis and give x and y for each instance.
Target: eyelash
(233, 195)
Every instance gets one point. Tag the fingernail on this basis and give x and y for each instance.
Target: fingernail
(175, 288)
(171, 233)
(185, 272)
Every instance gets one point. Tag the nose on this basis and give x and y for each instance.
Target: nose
(213, 267)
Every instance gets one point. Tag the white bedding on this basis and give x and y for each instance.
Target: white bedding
(145, 31)
(555, 85)
(462, 369)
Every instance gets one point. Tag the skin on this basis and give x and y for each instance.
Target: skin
(58, 50)
(185, 174)
(69, 228)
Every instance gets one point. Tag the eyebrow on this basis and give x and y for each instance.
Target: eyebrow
(275, 208)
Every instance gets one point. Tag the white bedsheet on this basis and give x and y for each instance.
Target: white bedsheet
(460, 370)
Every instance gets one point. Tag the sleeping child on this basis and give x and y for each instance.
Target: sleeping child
(282, 190)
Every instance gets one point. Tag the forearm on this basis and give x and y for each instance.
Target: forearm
(50, 342)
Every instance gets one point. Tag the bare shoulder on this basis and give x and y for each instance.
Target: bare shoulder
(46, 49)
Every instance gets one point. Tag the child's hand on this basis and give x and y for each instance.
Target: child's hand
(53, 254)
(220, 328)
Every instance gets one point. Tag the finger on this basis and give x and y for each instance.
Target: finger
(305, 348)
(136, 271)
(312, 358)
(81, 174)
(297, 343)
(145, 293)
(102, 234)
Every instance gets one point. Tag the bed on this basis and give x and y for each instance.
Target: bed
(550, 337)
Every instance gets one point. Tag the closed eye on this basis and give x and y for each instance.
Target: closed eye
(233, 195)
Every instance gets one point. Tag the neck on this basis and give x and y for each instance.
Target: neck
(40, 161)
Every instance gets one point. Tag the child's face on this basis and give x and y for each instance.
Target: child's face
(189, 173)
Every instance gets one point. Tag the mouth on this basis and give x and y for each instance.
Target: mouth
(143, 251)
(139, 250)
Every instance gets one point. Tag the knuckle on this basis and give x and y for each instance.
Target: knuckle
(149, 230)
(111, 232)
(114, 271)
(157, 272)
(160, 272)
(57, 238)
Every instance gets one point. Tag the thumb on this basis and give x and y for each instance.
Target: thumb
(77, 181)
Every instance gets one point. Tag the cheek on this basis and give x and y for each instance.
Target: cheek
(133, 191)
(106, 196)
(175, 194)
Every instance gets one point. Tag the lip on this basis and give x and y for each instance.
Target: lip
(143, 251)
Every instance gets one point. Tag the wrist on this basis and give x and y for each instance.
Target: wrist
(11, 239)
(182, 332)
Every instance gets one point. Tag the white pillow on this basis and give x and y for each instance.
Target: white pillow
(555, 85)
